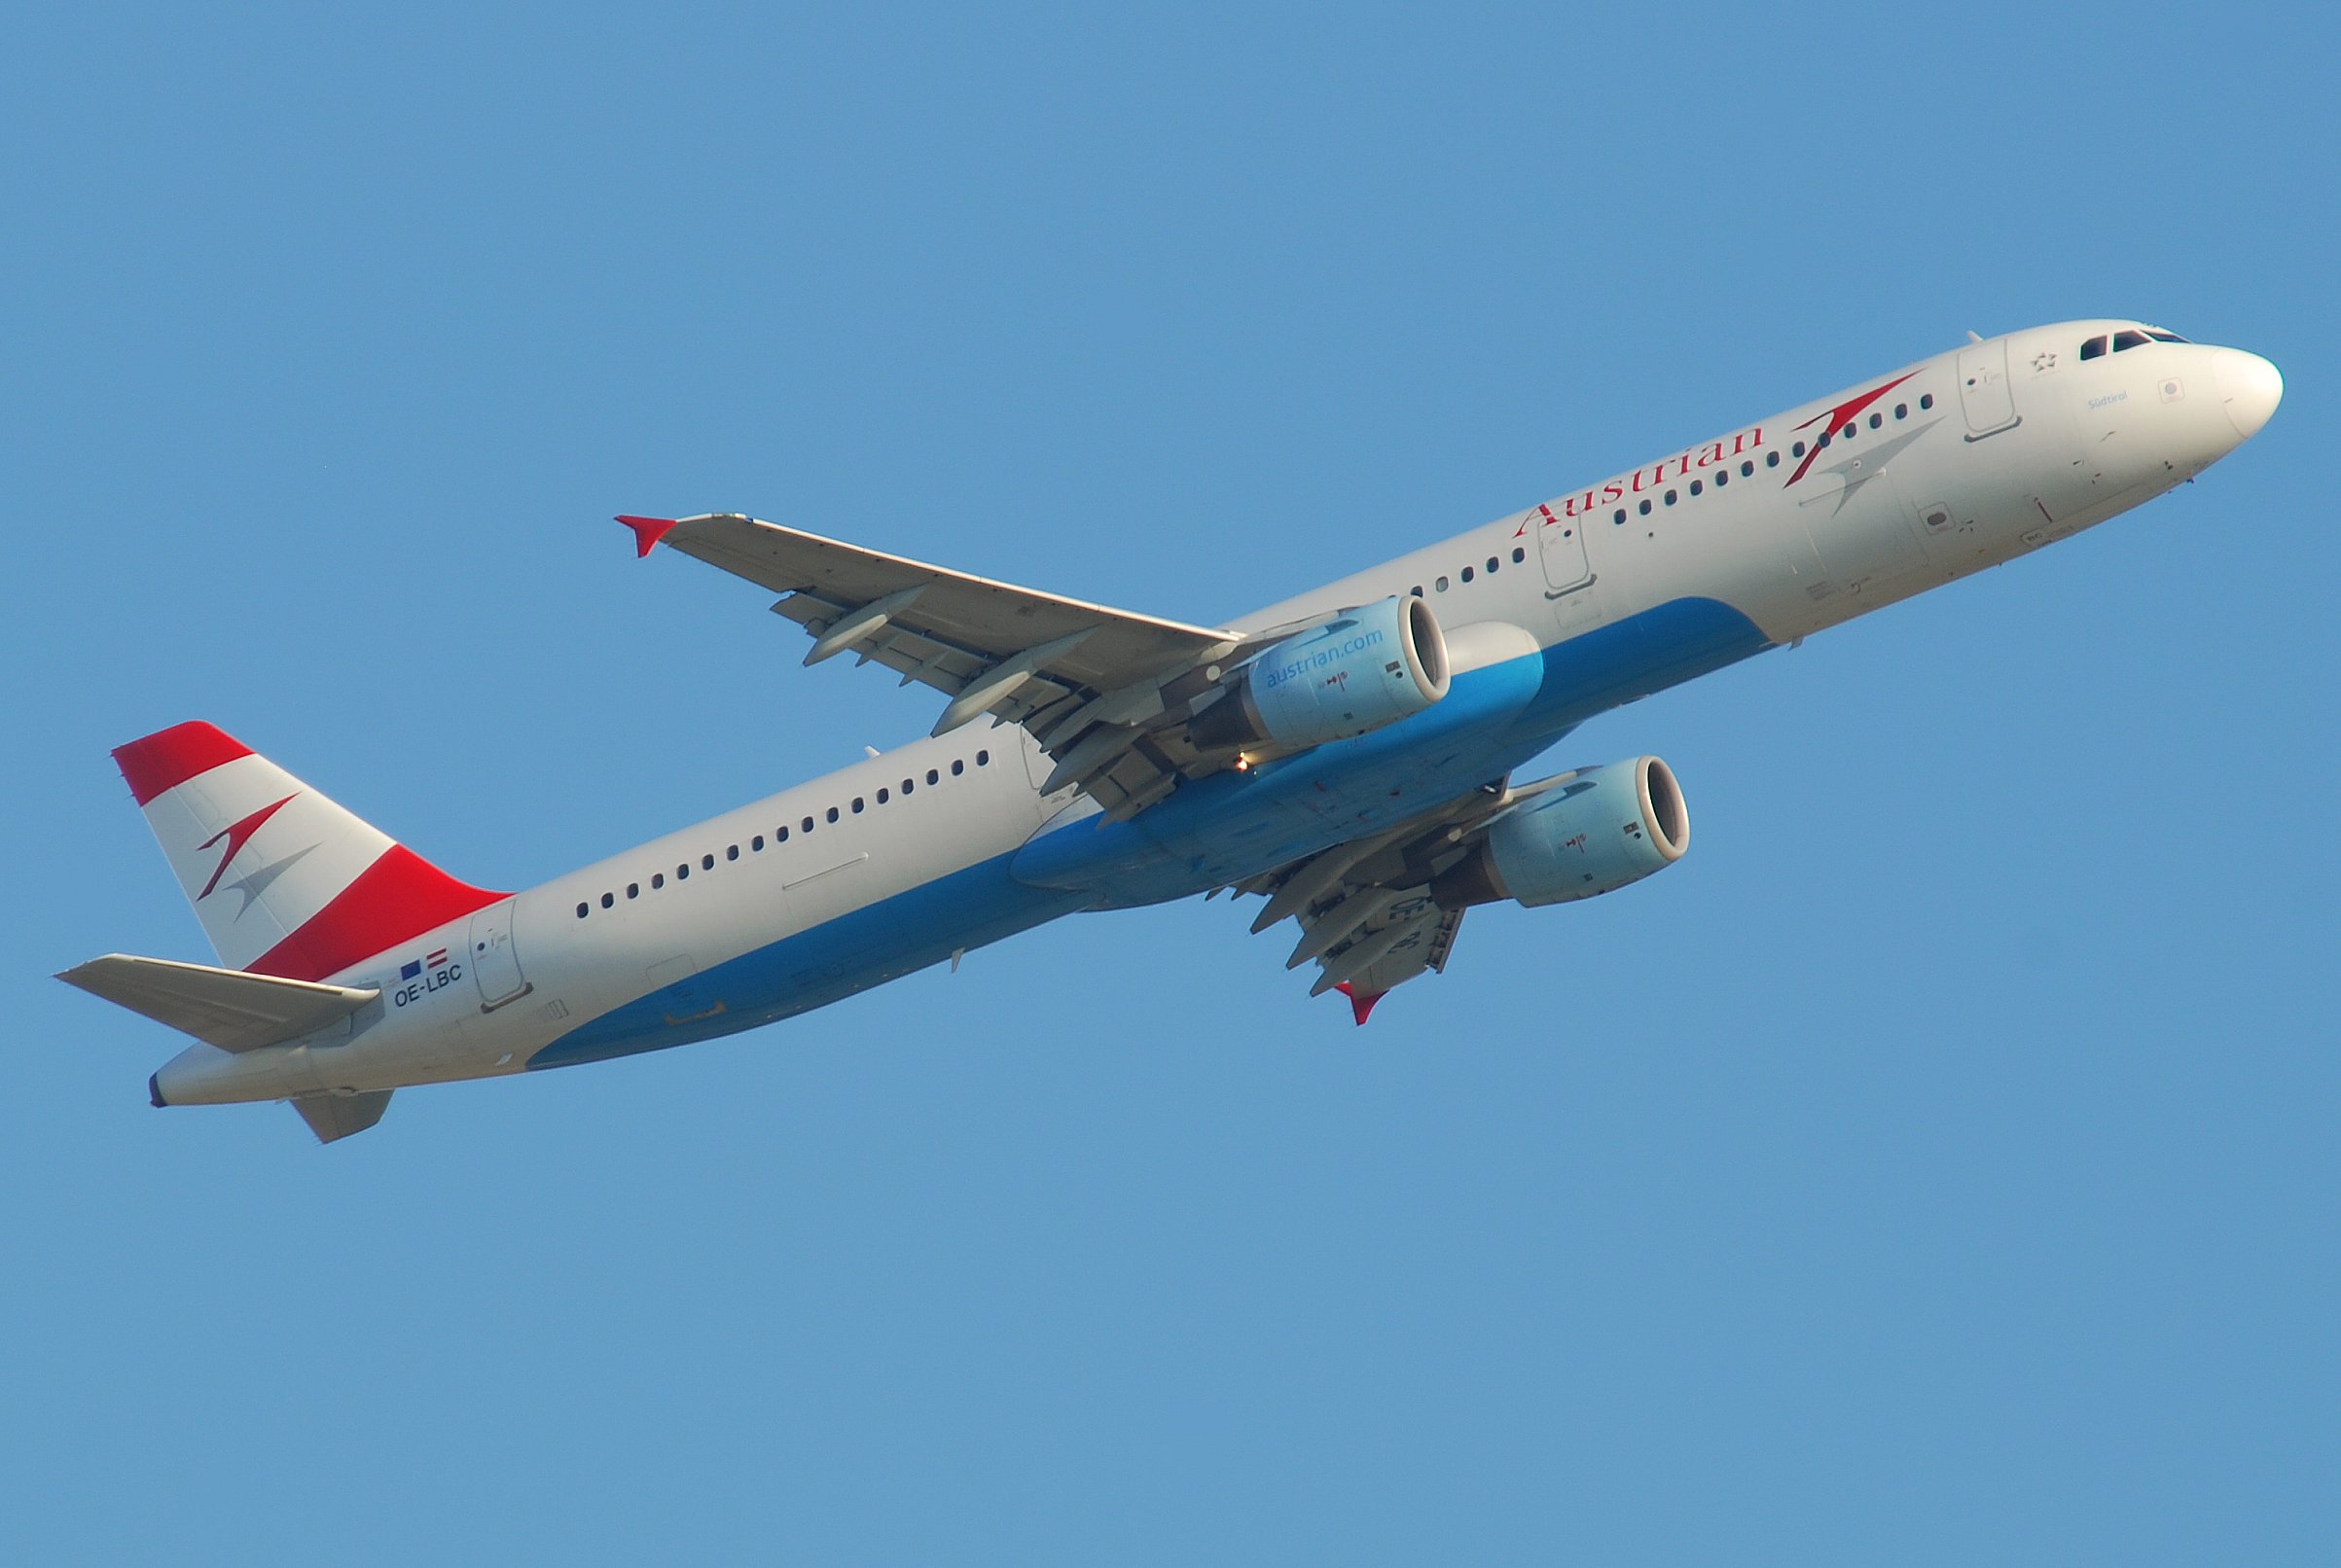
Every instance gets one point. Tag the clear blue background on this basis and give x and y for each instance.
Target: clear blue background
(1937, 1167)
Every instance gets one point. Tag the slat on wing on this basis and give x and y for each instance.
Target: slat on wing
(975, 615)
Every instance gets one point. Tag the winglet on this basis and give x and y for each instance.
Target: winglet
(1361, 1005)
(648, 531)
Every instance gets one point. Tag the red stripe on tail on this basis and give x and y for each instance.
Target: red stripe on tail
(396, 898)
(169, 757)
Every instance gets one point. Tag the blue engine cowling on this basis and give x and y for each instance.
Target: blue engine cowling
(1365, 668)
(1588, 833)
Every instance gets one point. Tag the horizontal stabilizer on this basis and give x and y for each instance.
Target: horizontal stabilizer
(225, 1008)
(337, 1116)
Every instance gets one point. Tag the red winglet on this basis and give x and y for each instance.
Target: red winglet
(1361, 1006)
(648, 531)
(169, 757)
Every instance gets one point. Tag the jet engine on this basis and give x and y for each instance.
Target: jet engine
(1587, 833)
(1365, 668)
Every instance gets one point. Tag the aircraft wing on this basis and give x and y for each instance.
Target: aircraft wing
(1364, 908)
(1103, 691)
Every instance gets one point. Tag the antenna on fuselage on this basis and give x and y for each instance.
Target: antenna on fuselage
(1974, 335)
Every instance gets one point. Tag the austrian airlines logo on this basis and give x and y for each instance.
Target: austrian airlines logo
(1839, 418)
(236, 835)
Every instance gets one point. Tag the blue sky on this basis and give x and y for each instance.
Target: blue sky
(1937, 1166)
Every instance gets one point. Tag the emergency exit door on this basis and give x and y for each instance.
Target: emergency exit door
(1561, 546)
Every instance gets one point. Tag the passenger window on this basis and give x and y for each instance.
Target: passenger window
(1772, 459)
(833, 814)
(1466, 574)
(581, 912)
(1696, 486)
(933, 777)
(857, 805)
(1491, 563)
(1926, 400)
(1621, 515)
(2093, 347)
(1876, 419)
(1645, 508)
(682, 873)
(1671, 498)
(657, 879)
(1748, 470)
(634, 890)
(608, 899)
(909, 785)
(957, 767)
(1518, 556)
(1417, 591)
(882, 796)
(1797, 451)
(982, 758)
(706, 863)
(1901, 411)
(1440, 585)
(2129, 339)
(756, 845)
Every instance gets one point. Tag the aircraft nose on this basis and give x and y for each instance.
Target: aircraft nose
(2250, 387)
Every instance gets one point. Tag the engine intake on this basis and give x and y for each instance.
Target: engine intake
(1599, 830)
(1365, 668)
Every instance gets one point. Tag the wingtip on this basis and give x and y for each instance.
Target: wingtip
(648, 531)
(1361, 1003)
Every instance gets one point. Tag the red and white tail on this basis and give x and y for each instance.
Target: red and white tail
(285, 882)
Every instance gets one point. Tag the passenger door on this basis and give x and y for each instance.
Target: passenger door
(495, 961)
(1985, 393)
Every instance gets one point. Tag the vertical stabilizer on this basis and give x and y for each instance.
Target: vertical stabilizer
(285, 882)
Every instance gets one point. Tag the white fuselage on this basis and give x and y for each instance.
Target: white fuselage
(1635, 581)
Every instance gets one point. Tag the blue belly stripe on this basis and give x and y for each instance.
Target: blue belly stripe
(1495, 720)
(880, 941)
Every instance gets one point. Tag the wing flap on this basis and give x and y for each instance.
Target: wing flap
(227, 1008)
(1365, 911)
(1105, 691)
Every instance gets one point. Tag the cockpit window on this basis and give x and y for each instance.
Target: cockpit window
(2129, 339)
(2161, 336)
(2093, 347)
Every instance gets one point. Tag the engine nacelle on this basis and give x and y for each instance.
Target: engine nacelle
(1602, 829)
(1365, 668)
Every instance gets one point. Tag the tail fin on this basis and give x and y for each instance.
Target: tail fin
(285, 882)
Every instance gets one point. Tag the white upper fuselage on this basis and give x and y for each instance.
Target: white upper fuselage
(1630, 582)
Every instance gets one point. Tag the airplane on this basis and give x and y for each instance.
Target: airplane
(1347, 756)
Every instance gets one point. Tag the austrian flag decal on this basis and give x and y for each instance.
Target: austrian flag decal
(408, 972)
